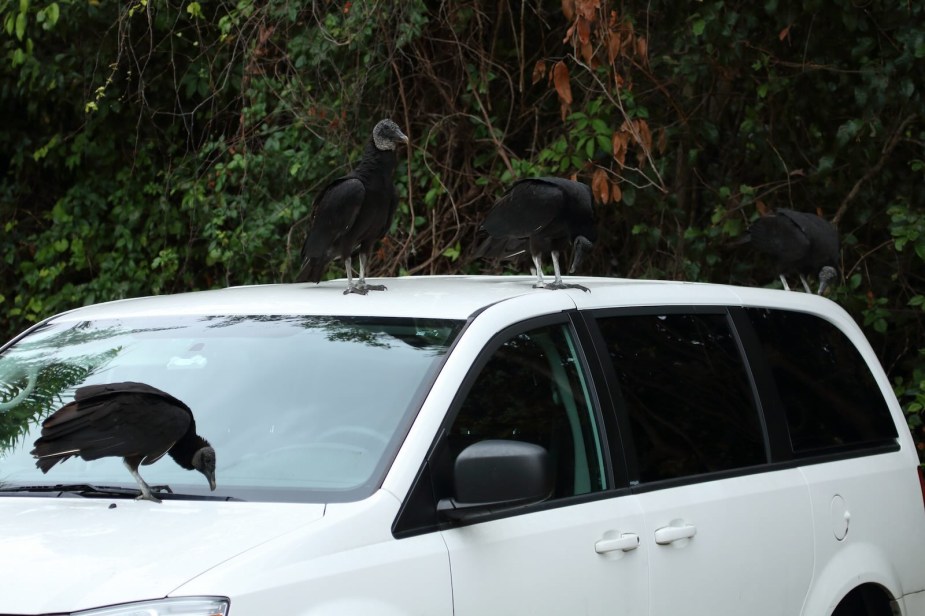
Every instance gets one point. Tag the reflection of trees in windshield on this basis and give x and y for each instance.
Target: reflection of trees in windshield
(29, 399)
(37, 372)
(377, 332)
(32, 383)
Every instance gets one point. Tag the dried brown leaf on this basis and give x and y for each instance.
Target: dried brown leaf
(642, 50)
(560, 78)
(643, 138)
(588, 9)
(587, 53)
(600, 186)
(761, 207)
(614, 43)
(661, 141)
(616, 193)
(568, 9)
(539, 71)
(621, 141)
(584, 31)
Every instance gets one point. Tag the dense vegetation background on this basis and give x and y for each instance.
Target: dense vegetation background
(158, 146)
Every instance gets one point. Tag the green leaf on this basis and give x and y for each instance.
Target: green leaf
(698, 26)
(21, 26)
(920, 250)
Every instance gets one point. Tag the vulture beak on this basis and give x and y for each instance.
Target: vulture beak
(827, 276)
(211, 478)
(579, 248)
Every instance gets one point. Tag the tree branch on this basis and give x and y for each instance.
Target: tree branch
(884, 155)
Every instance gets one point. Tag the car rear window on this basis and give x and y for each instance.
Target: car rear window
(686, 392)
(298, 408)
(830, 397)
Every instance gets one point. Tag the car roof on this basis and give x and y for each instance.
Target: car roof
(452, 297)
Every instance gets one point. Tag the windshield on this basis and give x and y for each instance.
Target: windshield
(297, 408)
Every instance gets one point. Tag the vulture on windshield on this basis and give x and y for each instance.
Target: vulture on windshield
(353, 212)
(547, 215)
(134, 421)
(800, 243)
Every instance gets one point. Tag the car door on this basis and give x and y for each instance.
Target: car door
(726, 532)
(578, 551)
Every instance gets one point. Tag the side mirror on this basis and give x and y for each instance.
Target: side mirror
(493, 475)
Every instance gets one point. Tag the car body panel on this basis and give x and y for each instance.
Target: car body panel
(346, 563)
(63, 554)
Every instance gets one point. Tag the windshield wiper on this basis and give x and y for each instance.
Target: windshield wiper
(88, 490)
(83, 489)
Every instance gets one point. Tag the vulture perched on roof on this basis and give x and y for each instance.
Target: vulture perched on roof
(134, 421)
(800, 243)
(353, 212)
(548, 215)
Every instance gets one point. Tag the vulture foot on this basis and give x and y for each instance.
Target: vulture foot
(553, 286)
(363, 289)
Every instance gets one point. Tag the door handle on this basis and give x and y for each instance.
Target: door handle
(670, 534)
(625, 543)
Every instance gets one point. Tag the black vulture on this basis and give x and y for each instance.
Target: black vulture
(353, 212)
(800, 243)
(548, 214)
(138, 422)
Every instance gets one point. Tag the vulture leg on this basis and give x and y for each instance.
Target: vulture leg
(555, 268)
(557, 283)
(783, 279)
(146, 493)
(805, 283)
(538, 267)
(362, 282)
(351, 288)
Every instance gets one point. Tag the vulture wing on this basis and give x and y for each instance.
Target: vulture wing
(780, 237)
(334, 212)
(822, 235)
(526, 208)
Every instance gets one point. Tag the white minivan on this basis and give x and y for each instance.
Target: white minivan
(471, 446)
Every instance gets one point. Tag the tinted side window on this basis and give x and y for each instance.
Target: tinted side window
(687, 394)
(829, 395)
(533, 389)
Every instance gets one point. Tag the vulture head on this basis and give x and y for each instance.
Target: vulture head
(580, 246)
(204, 462)
(827, 276)
(386, 134)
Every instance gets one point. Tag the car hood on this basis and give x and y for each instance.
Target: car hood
(63, 554)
